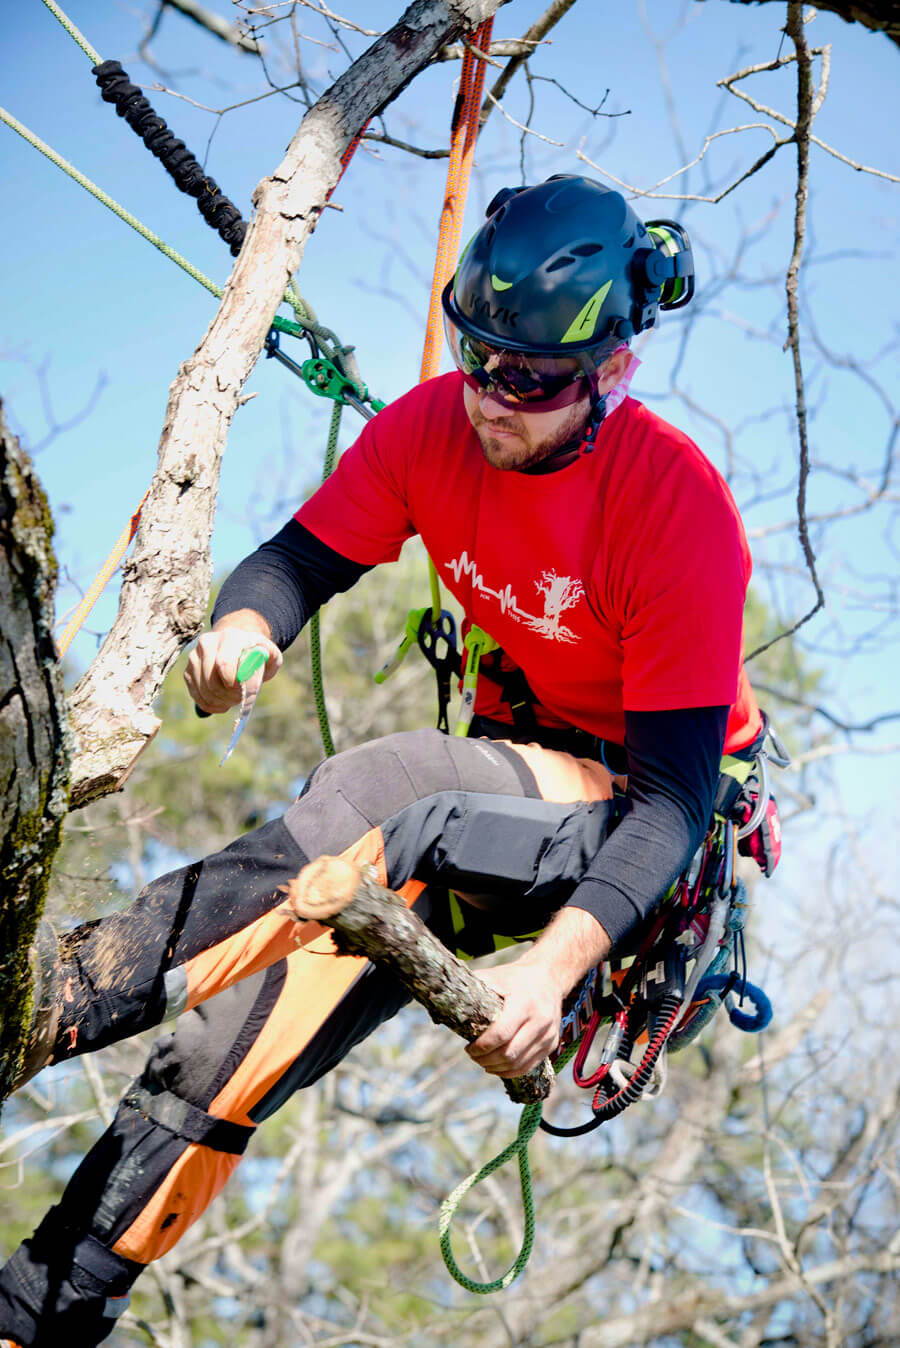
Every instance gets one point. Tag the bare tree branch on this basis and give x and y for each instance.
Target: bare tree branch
(801, 137)
(535, 34)
(232, 33)
(880, 16)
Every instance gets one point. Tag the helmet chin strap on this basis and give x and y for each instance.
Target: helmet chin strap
(580, 444)
(597, 418)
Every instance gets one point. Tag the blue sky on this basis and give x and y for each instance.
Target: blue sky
(87, 305)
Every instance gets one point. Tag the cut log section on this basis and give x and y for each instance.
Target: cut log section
(369, 920)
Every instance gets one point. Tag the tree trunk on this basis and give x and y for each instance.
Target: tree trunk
(166, 583)
(368, 919)
(34, 759)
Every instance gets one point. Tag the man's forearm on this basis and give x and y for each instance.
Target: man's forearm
(573, 943)
(246, 618)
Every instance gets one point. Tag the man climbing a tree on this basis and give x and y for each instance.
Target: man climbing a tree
(605, 556)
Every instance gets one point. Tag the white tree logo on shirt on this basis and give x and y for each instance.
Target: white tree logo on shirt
(560, 594)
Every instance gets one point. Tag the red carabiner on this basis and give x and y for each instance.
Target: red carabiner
(610, 1052)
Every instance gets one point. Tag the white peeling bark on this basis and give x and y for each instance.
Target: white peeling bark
(166, 583)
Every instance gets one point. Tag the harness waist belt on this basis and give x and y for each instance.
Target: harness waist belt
(564, 739)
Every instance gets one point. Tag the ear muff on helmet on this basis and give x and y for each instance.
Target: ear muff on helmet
(671, 264)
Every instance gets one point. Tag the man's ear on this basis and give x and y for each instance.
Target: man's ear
(613, 370)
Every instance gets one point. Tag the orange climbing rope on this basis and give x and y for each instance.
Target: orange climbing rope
(100, 580)
(462, 152)
(463, 136)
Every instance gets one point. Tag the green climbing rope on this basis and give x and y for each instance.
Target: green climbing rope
(315, 636)
(529, 1122)
(108, 201)
(94, 57)
(307, 322)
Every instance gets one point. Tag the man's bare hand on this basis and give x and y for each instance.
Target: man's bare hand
(211, 674)
(527, 1028)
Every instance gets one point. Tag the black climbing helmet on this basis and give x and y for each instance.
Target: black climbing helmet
(566, 267)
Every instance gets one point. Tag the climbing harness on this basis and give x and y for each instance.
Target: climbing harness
(662, 996)
(659, 999)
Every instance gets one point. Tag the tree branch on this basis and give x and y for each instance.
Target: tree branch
(879, 16)
(538, 30)
(232, 33)
(805, 113)
(166, 584)
(369, 920)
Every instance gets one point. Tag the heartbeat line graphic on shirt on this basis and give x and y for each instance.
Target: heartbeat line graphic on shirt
(560, 593)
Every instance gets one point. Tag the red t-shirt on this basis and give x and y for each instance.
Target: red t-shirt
(616, 583)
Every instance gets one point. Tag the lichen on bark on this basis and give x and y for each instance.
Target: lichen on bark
(34, 751)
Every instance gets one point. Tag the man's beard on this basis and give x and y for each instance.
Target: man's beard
(520, 453)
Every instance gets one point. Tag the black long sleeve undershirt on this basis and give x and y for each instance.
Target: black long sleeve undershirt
(673, 756)
(287, 580)
(673, 771)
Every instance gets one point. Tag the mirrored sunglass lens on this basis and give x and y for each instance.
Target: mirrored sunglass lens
(475, 355)
(537, 386)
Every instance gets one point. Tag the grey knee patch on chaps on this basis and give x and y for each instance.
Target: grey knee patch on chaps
(358, 790)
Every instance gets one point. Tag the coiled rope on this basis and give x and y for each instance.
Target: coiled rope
(529, 1122)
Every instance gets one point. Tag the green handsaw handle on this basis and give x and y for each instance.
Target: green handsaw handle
(247, 667)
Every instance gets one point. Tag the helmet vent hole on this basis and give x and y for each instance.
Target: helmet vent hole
(629, 242)
(560, 262)
(587, 249)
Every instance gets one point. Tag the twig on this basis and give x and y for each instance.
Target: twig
(521, 125)
(384, 139)
(825, 52)
(850, 727)
(538, 30)
(801, 139)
